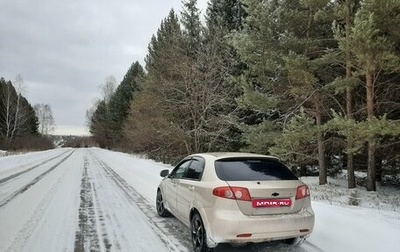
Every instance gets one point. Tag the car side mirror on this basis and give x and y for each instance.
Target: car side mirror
(164, 173)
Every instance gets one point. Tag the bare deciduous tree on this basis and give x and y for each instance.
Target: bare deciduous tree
(45, 117)
(108, 88)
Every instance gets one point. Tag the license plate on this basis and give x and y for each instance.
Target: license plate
(271, 203)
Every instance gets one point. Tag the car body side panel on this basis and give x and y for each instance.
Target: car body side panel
(169, 193)
(185, 198)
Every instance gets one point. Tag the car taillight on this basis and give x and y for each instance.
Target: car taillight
(231, 192)
(302, 192)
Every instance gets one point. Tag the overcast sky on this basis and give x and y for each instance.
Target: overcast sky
(65, 50)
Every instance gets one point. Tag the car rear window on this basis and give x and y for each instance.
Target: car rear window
(250, 169)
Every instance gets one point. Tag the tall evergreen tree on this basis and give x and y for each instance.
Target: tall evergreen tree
(152, 124)
(225, 15)
(186, 78)
(99, 125)
(345, 11)
(283, 42)
(375, 52)
(259, 47)
(223, 18)
(121, 99)
(190, 18)
(100, 117)
(167, 41)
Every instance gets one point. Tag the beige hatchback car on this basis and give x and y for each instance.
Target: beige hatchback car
(236, 198)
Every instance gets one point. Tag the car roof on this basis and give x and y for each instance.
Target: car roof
(220, 155)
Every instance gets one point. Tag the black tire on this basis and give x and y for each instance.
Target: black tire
(160, 205)
(198, 234)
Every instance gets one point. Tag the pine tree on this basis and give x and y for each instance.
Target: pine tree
(374, 48)
(283, 42)
(344, 13)
(259, 49)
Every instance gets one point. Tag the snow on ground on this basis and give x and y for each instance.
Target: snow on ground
(14, 163)
(99, 200)
(3, 153)
(336, 193)
(77, 206)
(42, 217)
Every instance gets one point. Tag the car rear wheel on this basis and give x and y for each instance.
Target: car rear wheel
(160, 205)
(199, 236)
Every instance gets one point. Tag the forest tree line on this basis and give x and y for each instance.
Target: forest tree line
(22, 126)
(314, 82)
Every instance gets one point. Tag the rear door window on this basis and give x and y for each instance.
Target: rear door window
(251, 169)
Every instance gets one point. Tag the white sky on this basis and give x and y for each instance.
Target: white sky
(65, 50)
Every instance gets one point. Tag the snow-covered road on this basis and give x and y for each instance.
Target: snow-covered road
(74, 201)
(98, 200)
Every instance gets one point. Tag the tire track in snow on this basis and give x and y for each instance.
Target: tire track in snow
(37, 216)
(92, 234)
(86, 238)
(28, 229)
(33, 182)
(180, 238)
(3, 180)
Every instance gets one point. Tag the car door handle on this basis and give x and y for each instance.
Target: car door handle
(191, 188)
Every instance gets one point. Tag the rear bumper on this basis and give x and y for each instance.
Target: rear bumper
(224, 226)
